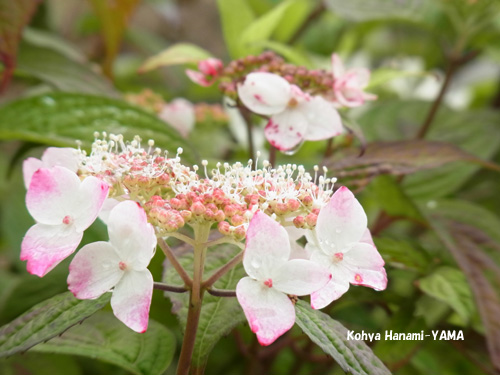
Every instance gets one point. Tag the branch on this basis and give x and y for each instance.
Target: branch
(169, 288)
(175, 263)
(221, 292)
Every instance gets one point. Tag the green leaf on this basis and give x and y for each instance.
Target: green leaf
(293, 19)
(401, 254)
(219, 315)
(353, 356)
(61, 118)
(14, 15)
(261, 29)
(395, 120)
(180, 53)
(61, 72)
(291, 54)
(363, 10)
(392, 198)
(381, 76)
(450, 286)
(46, 320)
(236, 16)
(469, 246)
(399, 158)
(105, 338)
(113, 17)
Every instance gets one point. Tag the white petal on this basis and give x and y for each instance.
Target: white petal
(300, 277)
(341, 222)
(329, 293)
(366, 265)
(323, 119)
(270, 313)
(106, 208)
(267, 247)
(287, 129)
(367, 238)
(51, 194)
(131, 235)
(265, 93)
(295, 233)
(45, 246)
(61, 156)
(30, 166)
(179, 113)
(131, 299)
(94, 270)
(299, 252)
(88, 201)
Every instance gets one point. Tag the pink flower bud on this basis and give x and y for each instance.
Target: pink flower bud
(198, 209)
(224, 228)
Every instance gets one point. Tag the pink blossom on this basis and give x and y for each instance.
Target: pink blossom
(263, 295)
(209, 71)
(342, 242)
(348, 85)
(120, 264)
(295, 116)
(179, 113)
(63, 207)
(63, 157)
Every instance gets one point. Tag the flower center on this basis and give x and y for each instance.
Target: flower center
(293, 103)
(122, 266)
(338, 257)
(268, 283)
(358, 278)
(67, 220)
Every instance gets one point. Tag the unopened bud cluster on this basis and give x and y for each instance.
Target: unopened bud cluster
(314, 82)
(174, 195)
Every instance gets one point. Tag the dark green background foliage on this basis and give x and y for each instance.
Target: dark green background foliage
(428, 177)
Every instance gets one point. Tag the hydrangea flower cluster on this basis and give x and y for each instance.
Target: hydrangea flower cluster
(301, 104)
(144, 196)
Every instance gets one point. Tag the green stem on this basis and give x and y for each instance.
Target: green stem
(195, 299)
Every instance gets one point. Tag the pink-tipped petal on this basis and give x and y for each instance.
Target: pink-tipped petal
(61, 156)
(323, 119)
(198, 78)
(367, 238)
(341, 222)
(51, 195)
(267, 247)
(366, 266)
(45, 246)
(287, 129)
(30, 166)
(270, 313)
(131, 234)
(300, 277)
(210, 66)
(94, 270)
(131, 299)
(88, 201)
(265, 93)
(329, 293)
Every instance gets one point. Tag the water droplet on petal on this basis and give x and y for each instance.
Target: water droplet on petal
(293, 150)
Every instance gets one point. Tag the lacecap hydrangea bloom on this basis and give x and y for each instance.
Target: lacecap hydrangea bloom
(144, 196)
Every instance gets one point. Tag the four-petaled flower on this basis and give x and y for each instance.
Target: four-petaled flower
(295, 116)
(341, 243)
(121, 264)
(348, 85)
(210, 70)
(53, 156)
(63, 207)
(263, 295)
